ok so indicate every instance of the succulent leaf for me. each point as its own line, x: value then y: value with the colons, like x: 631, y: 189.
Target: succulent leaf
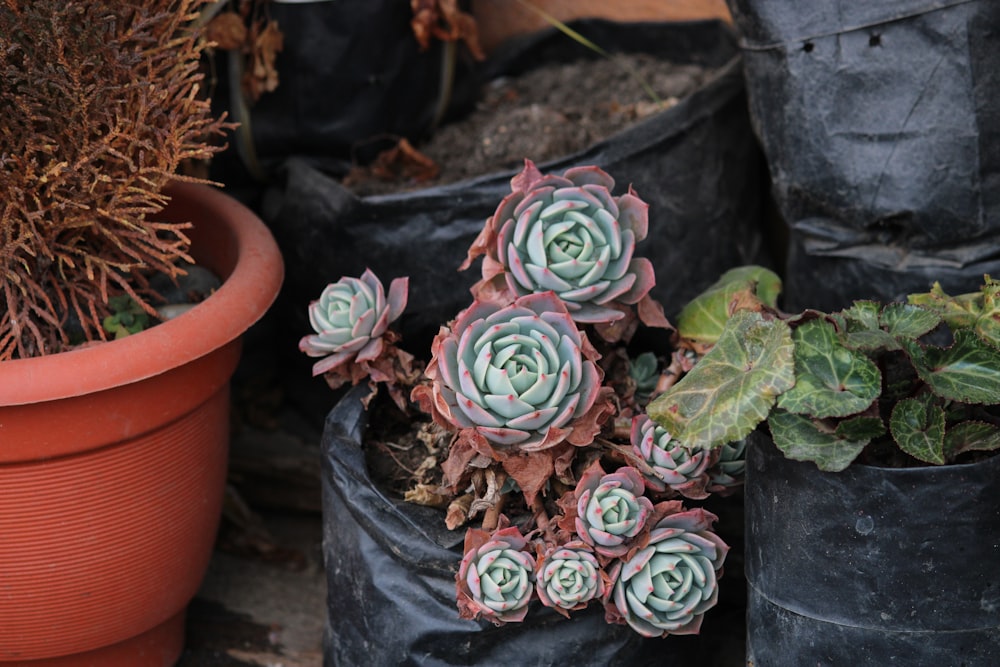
x: 733, y: 387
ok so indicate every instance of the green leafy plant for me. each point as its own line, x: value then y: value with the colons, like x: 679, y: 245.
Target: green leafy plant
x: 901, y: 383
x: 126, y: 318
x: 101, y: 105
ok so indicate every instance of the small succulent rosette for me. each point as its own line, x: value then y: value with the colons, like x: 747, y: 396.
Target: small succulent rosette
x: 667, y: 465
x: 568, y: 576
x: 514, y: 380
x: 568, y: 234
x: 496, y: 578
x: 351, y: 322
x: 665, y: 587
x: 611, y: 509
x: 729, y: 472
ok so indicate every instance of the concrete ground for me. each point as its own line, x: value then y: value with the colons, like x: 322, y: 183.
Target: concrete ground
x: 262, y: 604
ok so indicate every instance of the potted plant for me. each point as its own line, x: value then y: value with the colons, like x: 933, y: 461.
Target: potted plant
x: 871, y: 520
x: 112, y: 452
x: 536, y: 450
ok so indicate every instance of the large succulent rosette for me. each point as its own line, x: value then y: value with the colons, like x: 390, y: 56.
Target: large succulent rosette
x: 567, y: 234
x: 611, y: 510
x: 519, y: 376
x: 495, y: 579
x: 351, y: 319
x: 671, y: 465
x: 667, y: 586
x: 568, y: 576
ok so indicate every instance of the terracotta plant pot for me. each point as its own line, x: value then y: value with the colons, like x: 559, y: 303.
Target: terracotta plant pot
x: 113, y: 464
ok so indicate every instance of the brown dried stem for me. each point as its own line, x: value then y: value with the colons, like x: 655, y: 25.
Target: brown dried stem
x: 101, y: 104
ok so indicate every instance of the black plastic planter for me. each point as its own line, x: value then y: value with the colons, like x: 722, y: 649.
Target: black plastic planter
x: 880, y: 122
x: 697, y: 164
x: 871, y: 566
x: 391, y: 571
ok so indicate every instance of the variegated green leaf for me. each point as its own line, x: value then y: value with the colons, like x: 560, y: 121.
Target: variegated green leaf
x: 863, y: 316
x: 968, y: 371
x: 917, y: 425
x: 704, y: 317
x: 904, y: 320
x: 803, y: 439
x: 970, y: 436
x: 830, y: 380
x: 958, y: 312
x: 733, y: 387
x: 860, y: 428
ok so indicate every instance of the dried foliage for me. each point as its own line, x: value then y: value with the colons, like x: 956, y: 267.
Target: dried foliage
x: 444, y: 20
x: 245, y: 28
x: 101, y: 103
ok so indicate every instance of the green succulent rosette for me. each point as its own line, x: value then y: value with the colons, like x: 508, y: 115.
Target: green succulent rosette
x: 496, y: 578
x: 672, y: 466
x: 351, y: 319
x: 666, y: 587
x: 611, y: 509
x: 567, y: 234
x: 568, y: 577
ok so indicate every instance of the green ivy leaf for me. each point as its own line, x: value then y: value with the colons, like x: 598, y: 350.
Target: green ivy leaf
x: 830, y: 380
x: 970, y: 436
x: 905, y: 321
x: 860, y: 428
x: 733, y: 387
x: 704, y: 317
x: 967, y: 372
x: 804, y: 439
x: 863, y: 316
x: 958, y: 312
x: 917, y: 425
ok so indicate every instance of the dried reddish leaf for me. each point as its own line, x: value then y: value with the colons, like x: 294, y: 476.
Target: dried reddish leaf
x: 403, y: 162
x: 266, y: 41
x: 530, y: 471
x: 227, y: 31
x: 444, y: 20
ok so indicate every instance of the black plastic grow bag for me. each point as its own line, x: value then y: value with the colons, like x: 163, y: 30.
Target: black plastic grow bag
x: 880, y: 122
x: 871, y: 566
x: 697, y: 164
x: 391, y: 569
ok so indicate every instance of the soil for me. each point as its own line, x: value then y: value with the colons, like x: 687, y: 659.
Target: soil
x: 552, y: 111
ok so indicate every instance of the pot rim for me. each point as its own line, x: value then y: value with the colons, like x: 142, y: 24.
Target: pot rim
x: 249, y: 287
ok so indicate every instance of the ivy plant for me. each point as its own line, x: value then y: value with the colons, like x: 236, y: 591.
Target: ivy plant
x: 923, y: 375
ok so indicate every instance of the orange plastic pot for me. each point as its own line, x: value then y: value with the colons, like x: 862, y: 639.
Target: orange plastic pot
x: 113, y: 464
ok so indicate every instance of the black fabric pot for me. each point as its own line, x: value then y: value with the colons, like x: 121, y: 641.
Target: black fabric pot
x: 697, y: 164
x: 871, y: 566
x: 880, y: 122
x: 391, y: 571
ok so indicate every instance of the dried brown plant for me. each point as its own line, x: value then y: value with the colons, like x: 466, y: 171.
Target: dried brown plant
x: 100, y: 103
